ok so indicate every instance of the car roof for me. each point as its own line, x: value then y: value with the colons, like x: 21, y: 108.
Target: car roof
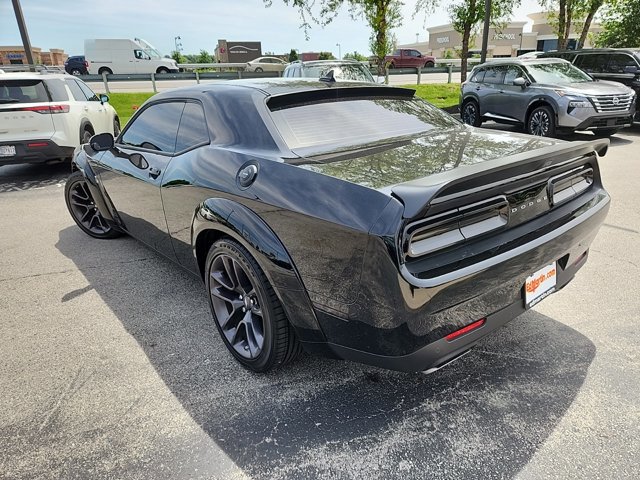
x: 595, y: 50
x: 33, y: 75
x: 521, y: 61
x: 268, y: 86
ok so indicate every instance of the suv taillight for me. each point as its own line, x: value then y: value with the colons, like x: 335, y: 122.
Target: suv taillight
x: 47, y: 109
x: 86, y: 64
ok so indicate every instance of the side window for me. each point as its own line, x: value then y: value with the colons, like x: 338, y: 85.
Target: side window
x: 90, y: 94
x: 618, y: 62
x: 396, y: 53
x: 478, y: 77
x: 494, y: 75
x: 592, y: 62
x: 193, y: 128
x: 511, y: 74
x: 76, y: 91
x: 156, y: 127
x: 57, y: 90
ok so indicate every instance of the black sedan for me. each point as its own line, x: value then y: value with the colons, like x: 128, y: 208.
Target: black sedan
x: 349, y: 220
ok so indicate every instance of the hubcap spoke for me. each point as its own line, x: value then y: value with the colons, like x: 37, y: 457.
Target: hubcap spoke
x: 85, y: 211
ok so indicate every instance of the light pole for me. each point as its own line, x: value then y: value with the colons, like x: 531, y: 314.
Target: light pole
x: 339, y: 51
x: 26, y: 43
x: 178, y: 44
x: 417, y: 37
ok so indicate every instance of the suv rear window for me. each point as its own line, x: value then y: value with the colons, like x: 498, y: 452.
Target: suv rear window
x: 23, y: 91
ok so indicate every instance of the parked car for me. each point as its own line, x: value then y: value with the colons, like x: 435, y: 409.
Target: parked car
x: 266, y: 64
x: 533, y: 54
x: 123, y: 55
x: 615, y: 64
x: 343, y: 70
x: 76, y: 65
x: 409, y: 58
x: 545, y: 96
x: 45, y: 116
x: 346, y: 219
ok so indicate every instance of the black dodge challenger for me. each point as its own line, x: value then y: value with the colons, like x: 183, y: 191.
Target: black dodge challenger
x: 349, y: 220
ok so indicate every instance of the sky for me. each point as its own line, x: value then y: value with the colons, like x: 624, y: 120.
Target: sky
x: 200, y: 23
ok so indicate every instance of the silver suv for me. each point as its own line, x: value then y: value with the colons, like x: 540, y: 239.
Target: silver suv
x: 343, y: 70
x: 545, y: 96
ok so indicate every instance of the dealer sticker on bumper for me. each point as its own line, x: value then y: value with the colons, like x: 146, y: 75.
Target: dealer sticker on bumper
x: 539, y: 285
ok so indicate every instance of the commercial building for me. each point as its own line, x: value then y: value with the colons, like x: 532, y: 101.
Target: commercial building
x: 237, y: 52
x: 509, y: 41
x: 11, y: 55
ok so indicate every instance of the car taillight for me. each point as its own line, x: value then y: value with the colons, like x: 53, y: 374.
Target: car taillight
x: 86, y: 64
x: 47, y: 109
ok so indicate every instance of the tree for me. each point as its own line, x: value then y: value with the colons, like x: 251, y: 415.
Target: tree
x: 204, y: 57
x: 293, y: 55
x: 326, y: 56
x: 466, y: 16
x: 178, y: 57
x: 358, y: 57
x: 565, y: 14
x: 621, y: 27
x: 381, y: 16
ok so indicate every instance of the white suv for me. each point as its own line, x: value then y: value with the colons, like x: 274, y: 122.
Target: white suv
x: 45, y: 116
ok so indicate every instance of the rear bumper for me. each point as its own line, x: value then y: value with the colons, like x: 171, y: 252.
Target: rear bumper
x: 35, y: 151
x: 413, y: 338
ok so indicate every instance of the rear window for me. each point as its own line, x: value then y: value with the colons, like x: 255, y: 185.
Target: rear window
x: 22, y: 91
x: 356, y: 121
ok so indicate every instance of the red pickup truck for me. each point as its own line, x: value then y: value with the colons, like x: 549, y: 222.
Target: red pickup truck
x: 409, y: 58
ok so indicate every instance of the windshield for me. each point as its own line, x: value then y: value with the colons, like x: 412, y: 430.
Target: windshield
x: 148, y: 48
x: 557, y: 73
x: 350, y: 72
x: 327, y: 125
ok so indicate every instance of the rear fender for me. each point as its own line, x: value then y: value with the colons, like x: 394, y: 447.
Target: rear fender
x: 224, y: 217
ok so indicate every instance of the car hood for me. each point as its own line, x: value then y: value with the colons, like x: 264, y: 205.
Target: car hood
x: 601, y: 87
x: 383, y: 165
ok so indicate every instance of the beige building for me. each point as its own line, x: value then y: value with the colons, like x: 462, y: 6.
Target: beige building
x: 510, y: 41
x: 16, y: 56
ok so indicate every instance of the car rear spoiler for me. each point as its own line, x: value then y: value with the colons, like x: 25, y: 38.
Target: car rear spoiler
x: 416, y: 195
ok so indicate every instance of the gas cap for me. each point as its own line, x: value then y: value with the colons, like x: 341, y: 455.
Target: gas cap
x: 247, y: 175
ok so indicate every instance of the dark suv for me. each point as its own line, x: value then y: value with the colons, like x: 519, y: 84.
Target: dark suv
x: 615, y: 64
x: 76, y: 65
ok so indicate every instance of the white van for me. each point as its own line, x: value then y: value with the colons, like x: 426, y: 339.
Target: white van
x: 125, y: 56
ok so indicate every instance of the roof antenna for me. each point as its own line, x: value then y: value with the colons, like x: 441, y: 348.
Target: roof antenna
x: 329, y: 78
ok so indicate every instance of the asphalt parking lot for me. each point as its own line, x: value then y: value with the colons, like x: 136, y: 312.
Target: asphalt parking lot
x: 111, y: 367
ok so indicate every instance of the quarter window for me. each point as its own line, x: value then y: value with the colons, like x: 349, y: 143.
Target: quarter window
x: 76, y: 91
x: 156, y: 127
x: 193, y: 128
x: 478, y: 77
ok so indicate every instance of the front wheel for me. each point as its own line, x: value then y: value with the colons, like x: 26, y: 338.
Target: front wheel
x: 162, y: 70
x: 542, y: 122
x: 83, y: 210
x: 247, y: 312
x: 471, y: 113
x: 76, y: 72
x: 429, y: 65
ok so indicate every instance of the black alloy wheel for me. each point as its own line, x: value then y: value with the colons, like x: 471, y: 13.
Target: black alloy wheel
x: 246, y: 309
x: 542, y: 122
x: 83, y: 210
x: 471, y: 113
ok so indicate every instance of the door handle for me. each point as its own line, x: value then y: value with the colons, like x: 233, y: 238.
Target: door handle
x: 86, y: 109
x: 154, y: 172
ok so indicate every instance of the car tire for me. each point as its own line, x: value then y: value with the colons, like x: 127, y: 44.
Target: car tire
x: 86, y: 134
x: 258, y: 70
x: 116, y: 127
x: 162, y: 70
x: 392, y: 66
x: 429, y: 65
x: 605, y: 132
x: 470, y: 113
x: 83, y: 210
x: 105, y: 70
x: 75, y: 72
x: 541, y: 122
x: 246, y: 310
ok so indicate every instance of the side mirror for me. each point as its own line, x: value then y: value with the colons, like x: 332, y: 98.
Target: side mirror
x: 104, y: 98
x: 102, y: 142
x: 631, y: 69
x: 521, y: 82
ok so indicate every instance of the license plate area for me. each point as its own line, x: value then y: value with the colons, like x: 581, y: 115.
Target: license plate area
x: 7, y: 150
x: 540, y: 284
